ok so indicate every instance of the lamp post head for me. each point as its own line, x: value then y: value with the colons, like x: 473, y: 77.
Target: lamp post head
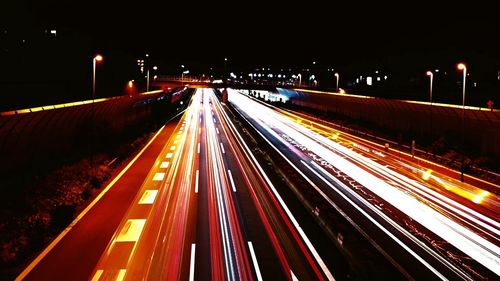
x: 336, y: 74
x: 98, y: 58
x: 461, y: 66
x: 429, y: 73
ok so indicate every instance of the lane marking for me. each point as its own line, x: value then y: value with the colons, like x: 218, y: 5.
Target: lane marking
x: 191, y: 263
x: 172, y: 147
x: 121, y: 275
x: 54, y: 242
x: 196, y: 181
x: 199, y: 131
x: 217, y: 129
x: 97, y: 275
x: 131, y: 230
x: 148, y: 197
x: 164, y: 164
x: 231, y: 180
x: 222, y: 148
x: 254, y: 260
x: 198, y: 148
x: 159, y: 177
x: 294, y: 278
x: 169, y: 155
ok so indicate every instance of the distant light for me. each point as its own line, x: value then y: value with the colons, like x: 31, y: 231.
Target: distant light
x: 369, y: 80
x: 147, y: 55
x: 314, y: 62
x: 385, y: 77
x: 378, y: 78
x: 155, y: 67
x: 186, y: 72
x: 461, y: 66
x: 53, y: 32
x: 130, y: 84
x: 437, y: 70
x: 225, y: 59
x: 98, y: 58
x: 155, y: 77
x: 182, y: 65
x: 357, y: 80
x: 376, y: 71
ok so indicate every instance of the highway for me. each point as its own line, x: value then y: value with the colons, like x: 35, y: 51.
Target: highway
x: 208, y: 211
x: 430, y: 225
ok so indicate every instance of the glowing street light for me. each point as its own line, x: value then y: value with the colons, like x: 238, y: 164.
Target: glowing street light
x: 97, y: 58
x: 463, y: 67
x: 431, y: 75
x: 300, y: 78
x: 337, y: 87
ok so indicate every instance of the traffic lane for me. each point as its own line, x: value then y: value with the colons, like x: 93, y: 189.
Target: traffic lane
x: 366, y: 222
x: 162, y: 241
x: 248, y: 215
x: 477, y: 182
x: 291, y: 234
x: 77, y: 253
x: 474, y: 198
x: 229, y: 251
x: 440, y: 245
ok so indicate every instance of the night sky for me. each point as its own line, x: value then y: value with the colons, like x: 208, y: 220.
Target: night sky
x: 252, y: 33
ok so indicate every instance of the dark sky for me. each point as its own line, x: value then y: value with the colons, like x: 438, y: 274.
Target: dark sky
x: 254, y: 33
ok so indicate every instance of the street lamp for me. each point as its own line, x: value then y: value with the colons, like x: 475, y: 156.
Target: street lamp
x: 225, y: 69
x: 300, y: 79
x: 147, y: 78
x: 337, y: 75
x: 431, y: 75
x: 97, y: 58
x: 182, y: 76
x: 463, y: 67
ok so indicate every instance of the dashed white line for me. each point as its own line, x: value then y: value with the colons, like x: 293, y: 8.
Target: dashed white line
x: 159, y: 176
x: 222, y: 148
x: 231, y: 180
x: 196, y: 181
x: 217, y: 129
x: 191, y: 264
x: 198, y: 147
x: 254, y: 260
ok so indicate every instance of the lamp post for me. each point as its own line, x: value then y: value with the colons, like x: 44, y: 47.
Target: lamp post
x: 463, y: 67
x: 97, y: 58
x: 225, y: 70
x: 337, y: 87
x: 182, y: 76
x: 300, y: 78
x: 431, y: 76
x: 147, y: 78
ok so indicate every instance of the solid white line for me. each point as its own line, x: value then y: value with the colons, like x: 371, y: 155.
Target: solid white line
x: 231, y: 180
x: 222, y: 147
x: 35, y: 262
x: 198, y: 147
x: 191, y: 266
x: 254, y: 260
x: 196, y: 181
